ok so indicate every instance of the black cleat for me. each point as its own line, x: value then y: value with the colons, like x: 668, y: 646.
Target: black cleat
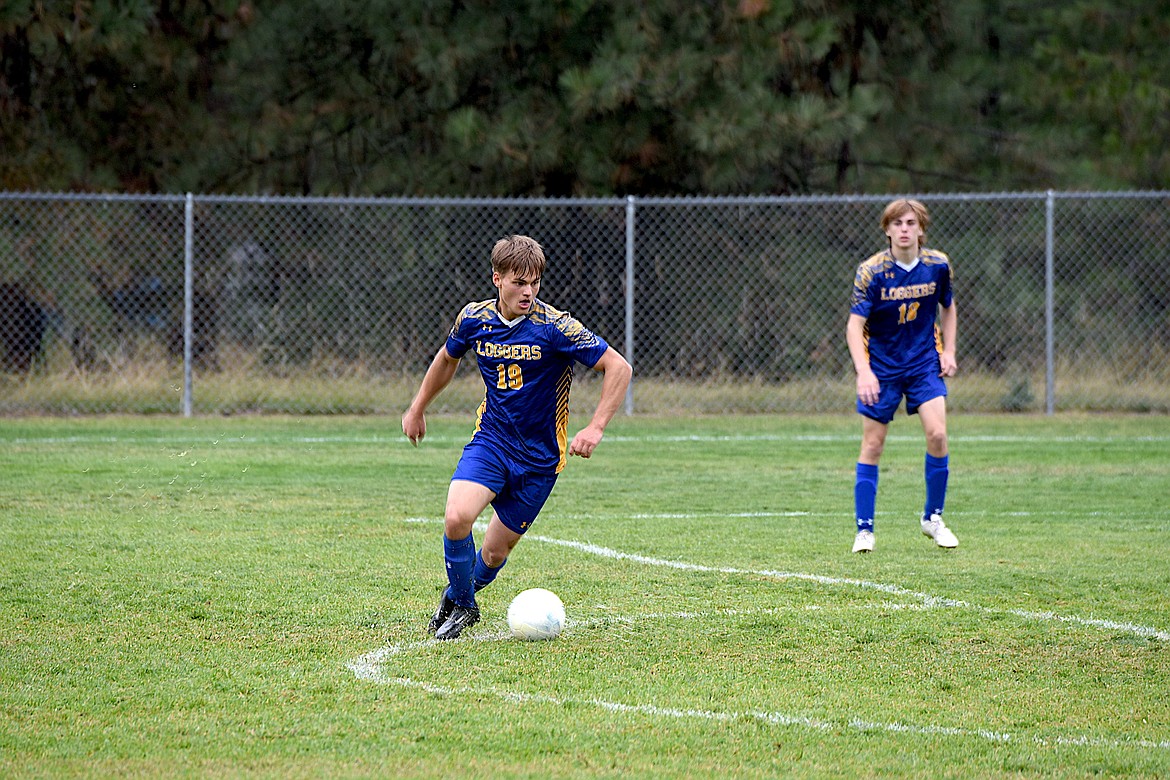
x: 442, y: 612
x: 460, y: 618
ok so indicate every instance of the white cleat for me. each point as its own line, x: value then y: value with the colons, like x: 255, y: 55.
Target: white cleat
x: 863, y: 542
x: 936, y: 529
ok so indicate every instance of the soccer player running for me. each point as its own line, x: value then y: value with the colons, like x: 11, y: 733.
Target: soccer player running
x: 901, y: 336
x: 526, y: 350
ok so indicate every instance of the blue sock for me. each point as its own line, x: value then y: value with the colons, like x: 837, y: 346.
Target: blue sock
x: 937, y: 471
x: 483, y: 575
x: 460, y: 558
x: 865, y: 495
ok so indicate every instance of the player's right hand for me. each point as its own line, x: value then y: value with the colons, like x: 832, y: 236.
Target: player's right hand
x: 414, y: 426
x: 868, y: 389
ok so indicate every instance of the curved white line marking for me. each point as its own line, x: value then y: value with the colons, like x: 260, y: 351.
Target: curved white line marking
x: 370, y: 666
x: 896, y: 590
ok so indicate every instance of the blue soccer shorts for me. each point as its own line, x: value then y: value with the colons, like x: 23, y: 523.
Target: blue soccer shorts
x: 917, y: 389
x: 520, y: 493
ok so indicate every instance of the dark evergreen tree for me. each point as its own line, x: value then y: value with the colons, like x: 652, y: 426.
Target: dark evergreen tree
x: 582, y: 97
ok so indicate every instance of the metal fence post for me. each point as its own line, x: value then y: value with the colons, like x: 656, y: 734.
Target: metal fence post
x: 630, y: 297
x: 1049, y: 304
x: 188, y: 299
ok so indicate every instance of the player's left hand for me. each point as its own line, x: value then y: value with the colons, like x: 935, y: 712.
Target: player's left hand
x: 585, y: 442
x: 947, y: 364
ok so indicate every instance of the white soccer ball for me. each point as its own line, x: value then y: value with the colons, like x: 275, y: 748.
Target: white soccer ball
x: 536, y: 614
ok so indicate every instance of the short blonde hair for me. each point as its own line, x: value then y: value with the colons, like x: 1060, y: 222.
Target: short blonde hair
x: 520, y: 255
x: 897, y: 208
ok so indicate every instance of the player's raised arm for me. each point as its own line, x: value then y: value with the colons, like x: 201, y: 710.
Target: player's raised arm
x: 438, y: 376
x: 617, y: 373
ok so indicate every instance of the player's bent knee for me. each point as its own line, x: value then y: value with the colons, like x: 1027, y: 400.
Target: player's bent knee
x: 492, y: 558
x: 456, y: 527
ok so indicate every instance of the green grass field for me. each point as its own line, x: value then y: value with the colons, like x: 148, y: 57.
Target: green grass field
x: 248, y: 596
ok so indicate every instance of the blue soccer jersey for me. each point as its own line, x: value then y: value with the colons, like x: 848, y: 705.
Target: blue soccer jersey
x: 527, y: 368
x: 901, y: 310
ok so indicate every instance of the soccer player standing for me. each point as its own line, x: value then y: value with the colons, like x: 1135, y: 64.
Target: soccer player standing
x: 526, y: 351
x: 901, y: 336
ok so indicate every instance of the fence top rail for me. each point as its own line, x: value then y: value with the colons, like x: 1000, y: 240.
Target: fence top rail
x: 91, y: 197
x: 614, y: 201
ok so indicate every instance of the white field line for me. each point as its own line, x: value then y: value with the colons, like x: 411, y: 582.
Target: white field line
x: 185, y: 439
x: 926, y: 599
x: 776, y: 718
x: 372, y: 667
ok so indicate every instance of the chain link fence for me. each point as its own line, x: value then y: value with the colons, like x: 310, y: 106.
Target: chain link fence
x: 225, y: 305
